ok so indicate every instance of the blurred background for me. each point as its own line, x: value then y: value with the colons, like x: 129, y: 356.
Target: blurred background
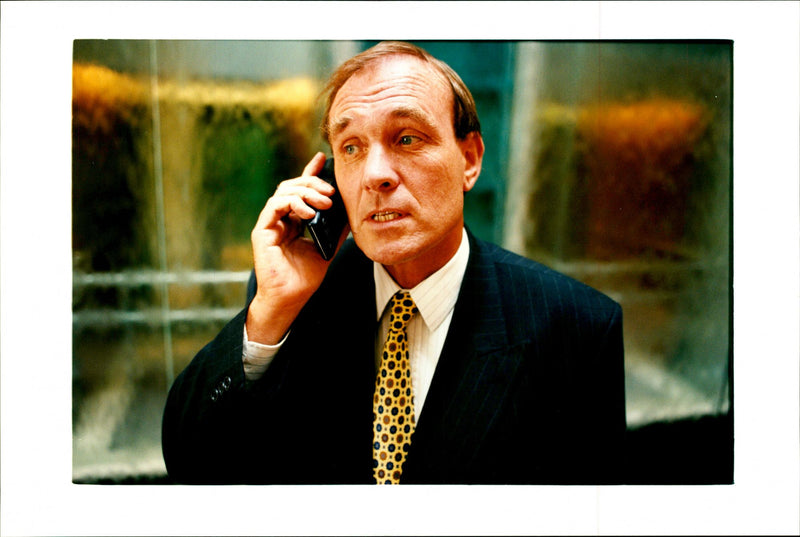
x: 609, y: 161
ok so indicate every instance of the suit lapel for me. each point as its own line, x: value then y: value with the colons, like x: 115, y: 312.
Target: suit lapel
x: 345, y: 377
x: 355, y: 329
x: 472, y: 378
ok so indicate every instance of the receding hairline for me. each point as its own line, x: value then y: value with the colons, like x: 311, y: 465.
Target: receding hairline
x: 465, y: 119
x: 332, y: 128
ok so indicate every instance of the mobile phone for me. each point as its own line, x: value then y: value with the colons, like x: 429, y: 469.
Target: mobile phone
x: 326, y: 226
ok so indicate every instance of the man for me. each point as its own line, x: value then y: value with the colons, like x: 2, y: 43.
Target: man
x: 490, y: 369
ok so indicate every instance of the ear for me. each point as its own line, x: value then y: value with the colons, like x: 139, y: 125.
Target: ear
x: 472, y: 150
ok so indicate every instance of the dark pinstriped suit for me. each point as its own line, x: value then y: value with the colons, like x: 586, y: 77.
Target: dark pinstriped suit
x: 529, y: 388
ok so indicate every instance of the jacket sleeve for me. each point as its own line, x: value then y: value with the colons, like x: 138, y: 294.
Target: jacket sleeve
x: 610, y: 424
x: 206, y: 411
x: 586, y: 394
x: 217, y: 426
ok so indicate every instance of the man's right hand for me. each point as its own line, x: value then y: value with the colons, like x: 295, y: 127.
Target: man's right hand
x: 289, y: 269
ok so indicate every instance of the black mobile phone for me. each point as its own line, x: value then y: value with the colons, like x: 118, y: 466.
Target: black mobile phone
x: 326, y: 226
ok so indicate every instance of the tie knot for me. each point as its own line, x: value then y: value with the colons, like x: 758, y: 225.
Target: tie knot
x: 401, y: 310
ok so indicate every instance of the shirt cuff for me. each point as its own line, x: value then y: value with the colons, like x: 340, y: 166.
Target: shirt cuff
x: 256, y: 357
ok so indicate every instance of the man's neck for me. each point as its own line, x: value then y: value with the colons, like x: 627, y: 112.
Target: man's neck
x: 411, y: 273
x: 443, y: 283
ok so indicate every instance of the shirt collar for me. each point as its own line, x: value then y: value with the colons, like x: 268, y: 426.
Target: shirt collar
x: 435, y: 296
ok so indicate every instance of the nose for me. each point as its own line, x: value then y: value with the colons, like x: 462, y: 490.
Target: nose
x: 379, y: 171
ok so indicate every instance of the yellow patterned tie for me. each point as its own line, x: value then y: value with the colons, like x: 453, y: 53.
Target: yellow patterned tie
x: 393, y: 405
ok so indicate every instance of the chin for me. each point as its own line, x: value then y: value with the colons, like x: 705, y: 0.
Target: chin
x: 387, y: 255
x: 388, y: 252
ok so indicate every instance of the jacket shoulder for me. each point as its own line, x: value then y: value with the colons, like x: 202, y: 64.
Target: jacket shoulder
x: 530, y: 284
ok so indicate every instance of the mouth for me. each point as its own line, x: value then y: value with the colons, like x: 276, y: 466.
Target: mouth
x: 385, y: 216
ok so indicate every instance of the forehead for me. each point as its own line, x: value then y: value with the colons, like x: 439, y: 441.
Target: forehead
x: 393, y: 81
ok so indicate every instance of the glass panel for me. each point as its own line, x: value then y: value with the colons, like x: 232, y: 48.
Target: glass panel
x: 628, y: 189
x: 176, y: 148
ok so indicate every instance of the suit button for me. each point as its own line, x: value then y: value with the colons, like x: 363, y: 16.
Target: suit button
x: 226, y: 383
x: 215, y: 394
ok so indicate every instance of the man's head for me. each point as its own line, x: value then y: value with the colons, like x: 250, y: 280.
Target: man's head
x: 407, y: 146
x: 465, y: 115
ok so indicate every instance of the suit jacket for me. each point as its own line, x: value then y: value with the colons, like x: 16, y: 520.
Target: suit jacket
x: 529, y: 388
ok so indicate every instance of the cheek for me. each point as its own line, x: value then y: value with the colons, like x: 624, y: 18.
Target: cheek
x: 445, y: 182
x: 351, y: 207
x: 443, y: 165
x: 441, y: 201
x: 348, y: 189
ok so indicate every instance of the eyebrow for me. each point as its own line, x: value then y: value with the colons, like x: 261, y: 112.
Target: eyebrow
x: 414, y: 114
x: 408, y: 112
x: 339, y: 126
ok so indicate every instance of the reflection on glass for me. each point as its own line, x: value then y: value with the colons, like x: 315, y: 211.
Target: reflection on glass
x: 628, y: 190
x: 169, y: 175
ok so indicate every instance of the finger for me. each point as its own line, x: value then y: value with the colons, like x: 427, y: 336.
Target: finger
x: 301, y: 204
x: 305, y: 187
x: 314, y: 165
x: 281, y: 207
x: 308, y: 195
x: 301, y: 196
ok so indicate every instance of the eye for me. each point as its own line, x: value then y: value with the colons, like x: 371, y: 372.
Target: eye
x: 407, y: 139
x: 350, y: 149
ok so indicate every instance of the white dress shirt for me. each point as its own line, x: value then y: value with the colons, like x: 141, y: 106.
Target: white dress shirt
x: 435, y: 298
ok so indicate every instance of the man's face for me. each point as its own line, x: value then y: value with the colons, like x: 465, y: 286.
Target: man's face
x: 400, y: 169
